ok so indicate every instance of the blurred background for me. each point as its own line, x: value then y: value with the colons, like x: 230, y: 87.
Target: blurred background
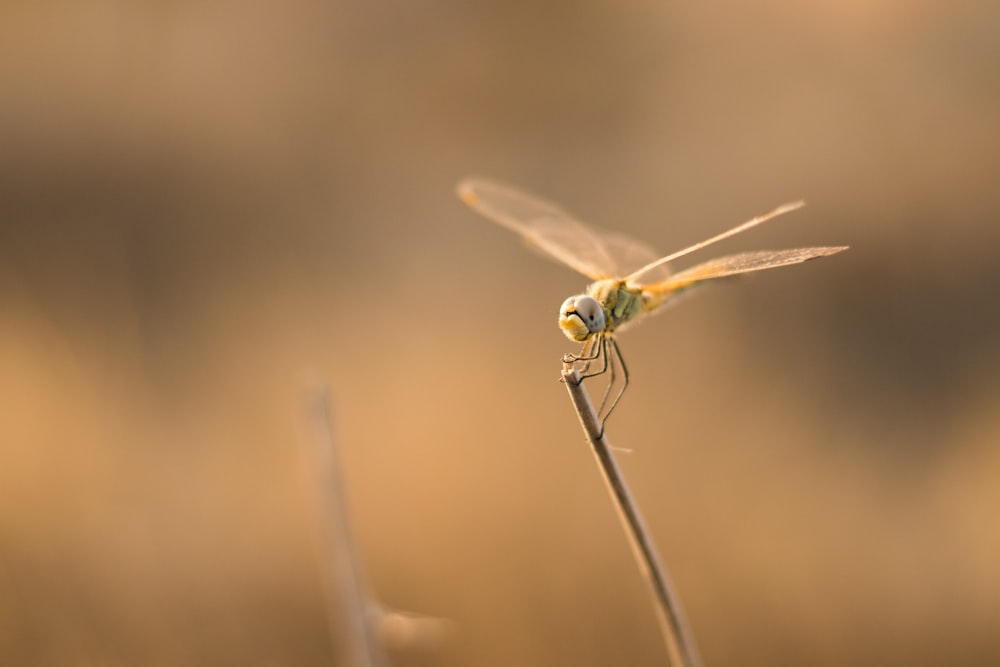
x: 205, y: 206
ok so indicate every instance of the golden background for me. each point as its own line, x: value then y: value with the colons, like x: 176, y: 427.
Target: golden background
x: 206, y: 206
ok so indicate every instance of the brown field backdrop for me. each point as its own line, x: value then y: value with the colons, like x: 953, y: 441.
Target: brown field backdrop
x: 206, y: 205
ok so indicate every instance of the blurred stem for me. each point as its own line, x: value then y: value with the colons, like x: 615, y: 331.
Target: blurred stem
x: 680, y: 644
x: 347, y: 595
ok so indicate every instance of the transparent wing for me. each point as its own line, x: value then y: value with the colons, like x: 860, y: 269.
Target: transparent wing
x: 745, y: 262
x: 555, y: 232
x: 630, y: 254
x: 647, y: 272
x: 679, y: 285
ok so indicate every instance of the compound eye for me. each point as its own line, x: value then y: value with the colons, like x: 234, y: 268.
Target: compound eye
x: 590, y: 311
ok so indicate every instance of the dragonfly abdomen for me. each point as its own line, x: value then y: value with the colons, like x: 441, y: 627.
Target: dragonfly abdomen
x: 657, y: 294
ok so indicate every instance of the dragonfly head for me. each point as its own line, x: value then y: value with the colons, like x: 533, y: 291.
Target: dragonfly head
x: 581, y: 316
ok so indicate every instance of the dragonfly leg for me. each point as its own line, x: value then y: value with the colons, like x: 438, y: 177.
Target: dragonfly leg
x: 591, y: 350
x: 612, y: 376
x: 613, y: 344
x: 599, y: 351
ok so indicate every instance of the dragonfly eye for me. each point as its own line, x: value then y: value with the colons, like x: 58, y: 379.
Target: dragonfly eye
x: 581, y: 316
x: 590, y: 312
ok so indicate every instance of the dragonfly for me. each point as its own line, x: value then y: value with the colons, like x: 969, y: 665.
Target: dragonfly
x: 630, y: 279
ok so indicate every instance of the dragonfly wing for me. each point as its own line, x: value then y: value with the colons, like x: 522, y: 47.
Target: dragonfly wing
x: 745, y: 262
x: 647, y: 271
x: 630, y: 255
x: 679, y: 285
x: 552, y: 230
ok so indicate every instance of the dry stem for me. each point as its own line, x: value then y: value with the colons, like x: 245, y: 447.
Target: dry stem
x: 347, y: 595
x: 680, y: 644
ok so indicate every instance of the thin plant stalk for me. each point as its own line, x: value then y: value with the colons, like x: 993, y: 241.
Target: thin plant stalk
x: 673, y: 626
x: 347, y: 594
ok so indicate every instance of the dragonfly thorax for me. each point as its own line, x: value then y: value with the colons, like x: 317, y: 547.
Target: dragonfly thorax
x: 607, y: 304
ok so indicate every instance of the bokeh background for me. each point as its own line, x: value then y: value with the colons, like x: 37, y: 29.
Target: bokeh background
x: 207, y: 206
